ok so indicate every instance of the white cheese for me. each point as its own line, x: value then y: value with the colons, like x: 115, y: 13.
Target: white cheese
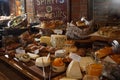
x: 73, y: 70
x: 42, y: 62
x: 85, y: 61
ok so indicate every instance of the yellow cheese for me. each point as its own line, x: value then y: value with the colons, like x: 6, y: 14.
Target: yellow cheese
x: 45, y: 39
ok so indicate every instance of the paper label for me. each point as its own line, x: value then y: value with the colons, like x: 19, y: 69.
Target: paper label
x: 19, y: 50
x: 58, y: 31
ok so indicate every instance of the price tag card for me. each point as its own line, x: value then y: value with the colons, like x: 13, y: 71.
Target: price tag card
x: 20, y: 50
x: 36, y: 51
x: 58, y: 31
x: 75, y: 57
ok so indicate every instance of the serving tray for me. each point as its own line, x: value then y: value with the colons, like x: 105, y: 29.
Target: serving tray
x: 30, y: 69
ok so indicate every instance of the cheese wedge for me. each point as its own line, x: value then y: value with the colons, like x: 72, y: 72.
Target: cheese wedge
x: 85, y: 61
x: 73, y: 70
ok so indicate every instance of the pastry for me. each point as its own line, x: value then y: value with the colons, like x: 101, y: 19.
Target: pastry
x: 103, y: 52
x: 58, y: 65
x: 109, y: 31
x: 80, y: 23
x: 69, y: 42
x: 13, y: 46
x: 81, y: 52
x: 116, y: 58
x: 70, y: 46
x: 94, y: 69
x: 90, y: 77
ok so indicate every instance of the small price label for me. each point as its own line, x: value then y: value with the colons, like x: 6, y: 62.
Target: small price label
x: 58, y: 31
x: 19, y: 50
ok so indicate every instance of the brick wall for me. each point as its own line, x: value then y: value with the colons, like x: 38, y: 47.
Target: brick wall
x: 78, y: 9
x: 30, y: 9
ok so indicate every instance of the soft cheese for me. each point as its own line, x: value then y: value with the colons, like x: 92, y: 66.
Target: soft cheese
x: 85, y: 61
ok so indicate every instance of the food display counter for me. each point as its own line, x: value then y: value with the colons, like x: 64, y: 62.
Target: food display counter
x: 49, y: 56
x: 33, y: 72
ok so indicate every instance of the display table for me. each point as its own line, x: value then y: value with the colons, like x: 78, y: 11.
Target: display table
x: 35, y: 73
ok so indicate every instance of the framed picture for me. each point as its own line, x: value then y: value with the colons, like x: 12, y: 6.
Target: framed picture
x: 52, y: 9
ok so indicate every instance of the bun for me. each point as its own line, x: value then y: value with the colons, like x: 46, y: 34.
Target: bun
x: 69, y: 42
x: 116, y: 58
x: 103, y: 52
x: 109, y: 31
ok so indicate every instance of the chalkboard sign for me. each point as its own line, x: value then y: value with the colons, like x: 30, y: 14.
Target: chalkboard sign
x: 52, y: 9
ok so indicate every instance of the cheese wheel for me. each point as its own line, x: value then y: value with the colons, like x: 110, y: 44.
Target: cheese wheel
x: 42, y: 62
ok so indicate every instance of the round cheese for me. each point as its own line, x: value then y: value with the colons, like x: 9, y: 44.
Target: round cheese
x: 42, y: 62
